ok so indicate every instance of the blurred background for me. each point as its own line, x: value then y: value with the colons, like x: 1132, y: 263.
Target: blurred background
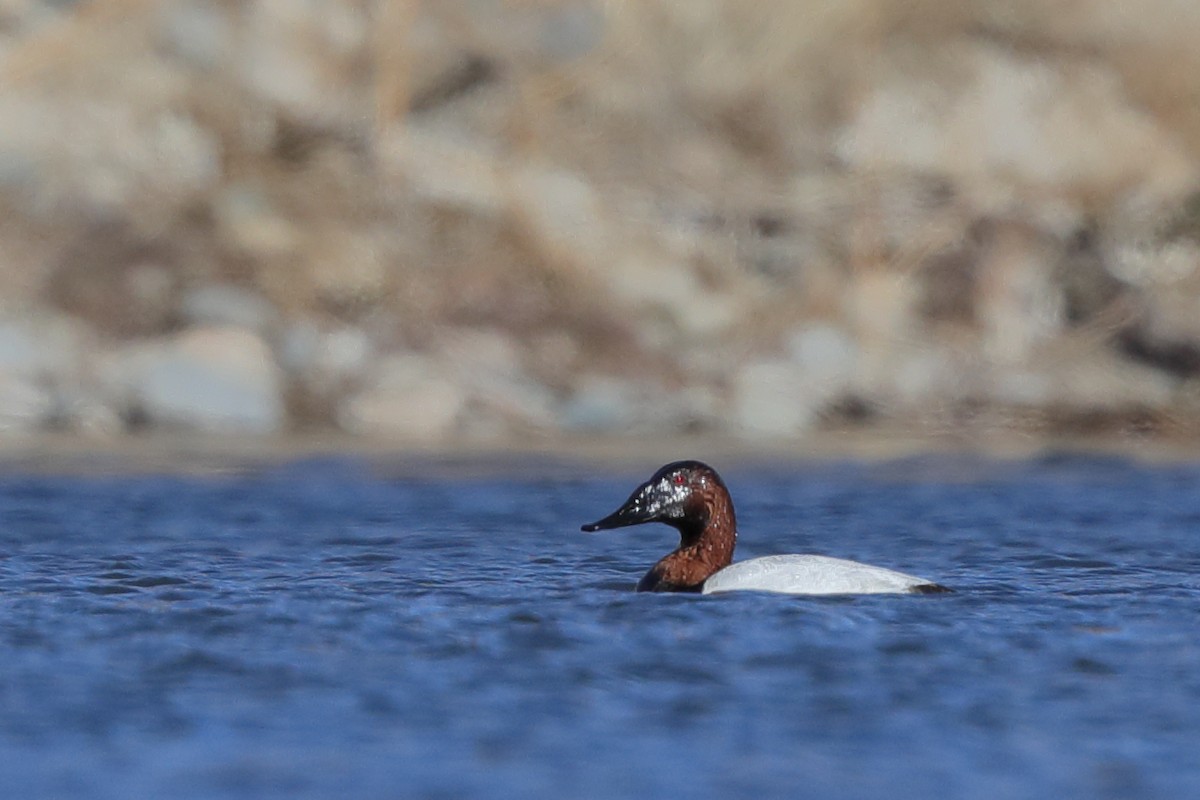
x: 505, y: 222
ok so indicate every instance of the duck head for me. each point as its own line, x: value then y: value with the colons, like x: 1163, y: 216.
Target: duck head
x: 690, y: 497
x: 681, y: 494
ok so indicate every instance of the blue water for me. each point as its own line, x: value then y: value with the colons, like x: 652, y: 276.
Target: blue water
x: 331, y: 629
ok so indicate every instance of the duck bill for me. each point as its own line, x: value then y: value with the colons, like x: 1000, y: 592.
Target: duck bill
x: 617, y: 519
x: 635, y: 511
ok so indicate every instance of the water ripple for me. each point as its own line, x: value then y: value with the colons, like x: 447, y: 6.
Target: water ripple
x: 320, y: 631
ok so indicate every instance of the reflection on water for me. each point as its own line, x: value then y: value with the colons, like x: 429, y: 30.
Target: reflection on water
x: 318, y: 630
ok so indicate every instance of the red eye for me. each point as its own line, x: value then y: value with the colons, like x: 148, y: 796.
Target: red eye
x: 679, y: 480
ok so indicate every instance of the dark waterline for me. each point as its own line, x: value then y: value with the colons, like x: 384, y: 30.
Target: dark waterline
x: 324, y: 630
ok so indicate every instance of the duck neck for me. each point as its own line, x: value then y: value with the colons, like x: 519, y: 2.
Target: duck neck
x: 707, y: 536
x: 711, y: 535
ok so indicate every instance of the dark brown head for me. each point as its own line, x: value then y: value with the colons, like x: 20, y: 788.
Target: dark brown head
x: 675, y: 495
x: 690, y: 497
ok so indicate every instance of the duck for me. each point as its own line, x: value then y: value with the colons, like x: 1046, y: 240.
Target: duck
x: 692, y: 498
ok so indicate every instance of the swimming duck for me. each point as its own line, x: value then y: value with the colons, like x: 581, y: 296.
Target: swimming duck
x: 691, y: 497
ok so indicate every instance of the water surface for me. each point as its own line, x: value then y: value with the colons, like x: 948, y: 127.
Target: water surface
x: 325, y: 629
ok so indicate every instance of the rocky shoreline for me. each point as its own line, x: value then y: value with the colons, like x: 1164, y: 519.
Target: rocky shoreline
x: 226, y: 379
x: 445, y: 224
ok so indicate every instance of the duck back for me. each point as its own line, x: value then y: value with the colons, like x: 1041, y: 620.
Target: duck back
x: 809, y: 574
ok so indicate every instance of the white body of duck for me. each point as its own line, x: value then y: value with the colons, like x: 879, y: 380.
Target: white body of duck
x: 806, y: 574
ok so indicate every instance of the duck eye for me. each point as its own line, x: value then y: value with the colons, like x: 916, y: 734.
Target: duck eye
x: 678, y: 480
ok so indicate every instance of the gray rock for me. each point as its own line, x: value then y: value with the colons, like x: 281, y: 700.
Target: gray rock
x: 248, y: 219
x: 25, y: 407
x: 570, y: 31
x: 21, y: 351
x: 603, y: 404
x: 771, y: 398
x: 43, y: 365
x: 322, y: 365
x: 515, y: 402
x: 563, y: 210
x: 443, y: 172
x: 409, y: 397
x: 234, y: 306
x: 298, y: 345
x: 222, y: 380
x: 599, y: 405
x: 927, y: 374
x: 317, y: 354
x: 669, y: 287
x: 503, y: 396
x: 827, y: 357
x: 785, y: 396
x: 199, y: 32
x: 44, y: 347
x: 84, y: 410
x: 696, y: 407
